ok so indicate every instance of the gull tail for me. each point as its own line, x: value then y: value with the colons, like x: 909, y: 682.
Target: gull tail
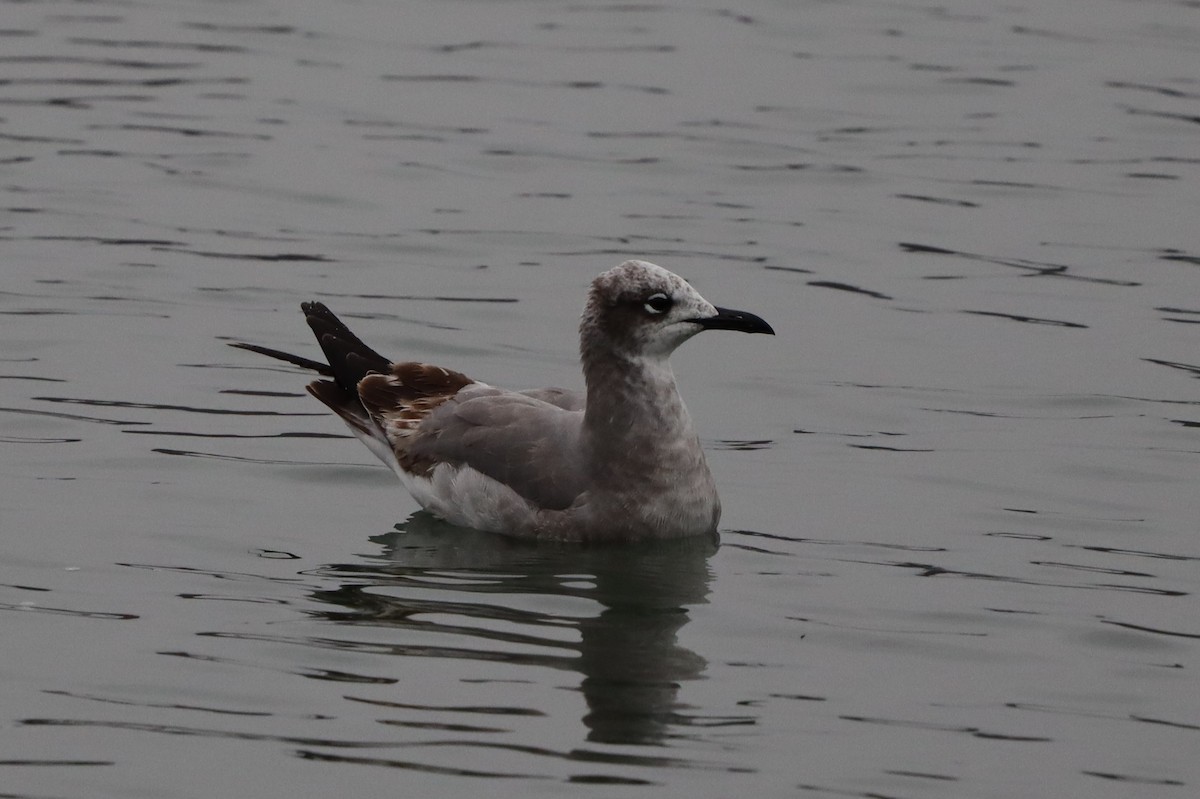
x: 349, y: 358
x: 349, y: 361
x: 373, y: 396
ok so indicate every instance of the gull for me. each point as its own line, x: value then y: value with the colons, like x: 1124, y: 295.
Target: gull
x: 617, y: 462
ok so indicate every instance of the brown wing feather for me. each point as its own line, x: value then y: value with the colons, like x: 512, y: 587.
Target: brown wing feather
x: 399, y: 401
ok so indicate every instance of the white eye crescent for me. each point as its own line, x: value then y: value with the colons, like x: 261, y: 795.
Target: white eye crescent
x: 657, y: 304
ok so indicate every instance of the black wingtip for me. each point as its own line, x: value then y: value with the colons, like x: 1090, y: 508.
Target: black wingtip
x: 279, y: 355
x: 350, y: 360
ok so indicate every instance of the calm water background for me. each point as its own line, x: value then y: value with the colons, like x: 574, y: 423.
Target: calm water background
x: 960, y: 553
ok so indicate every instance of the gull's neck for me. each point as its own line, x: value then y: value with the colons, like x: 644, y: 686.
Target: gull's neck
x: 643, y: 459
x: 634, y: 414
x: 640, y: 450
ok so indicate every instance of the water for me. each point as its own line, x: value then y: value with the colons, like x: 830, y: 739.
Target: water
x: 959, y: 554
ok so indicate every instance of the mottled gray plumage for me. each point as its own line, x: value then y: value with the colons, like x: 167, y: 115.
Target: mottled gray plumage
x: 526, y: 443
x: 618, y: 462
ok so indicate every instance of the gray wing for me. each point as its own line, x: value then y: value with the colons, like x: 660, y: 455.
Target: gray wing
x: 529, y: 444
x: 567, y: 400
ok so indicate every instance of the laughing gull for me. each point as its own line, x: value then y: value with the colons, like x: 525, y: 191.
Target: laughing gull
x: 617, y: 462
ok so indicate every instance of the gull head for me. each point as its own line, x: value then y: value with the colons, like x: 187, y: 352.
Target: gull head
x: 639, y: 309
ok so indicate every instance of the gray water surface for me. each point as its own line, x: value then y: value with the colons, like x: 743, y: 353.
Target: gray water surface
x: 959, y: 554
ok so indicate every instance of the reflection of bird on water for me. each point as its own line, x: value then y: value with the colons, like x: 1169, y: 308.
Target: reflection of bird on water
x: 627, y: 653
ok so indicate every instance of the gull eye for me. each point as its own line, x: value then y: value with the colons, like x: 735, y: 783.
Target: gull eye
x: 657, y: 304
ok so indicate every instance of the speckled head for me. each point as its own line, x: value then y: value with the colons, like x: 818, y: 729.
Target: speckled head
x: 640, y: 310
